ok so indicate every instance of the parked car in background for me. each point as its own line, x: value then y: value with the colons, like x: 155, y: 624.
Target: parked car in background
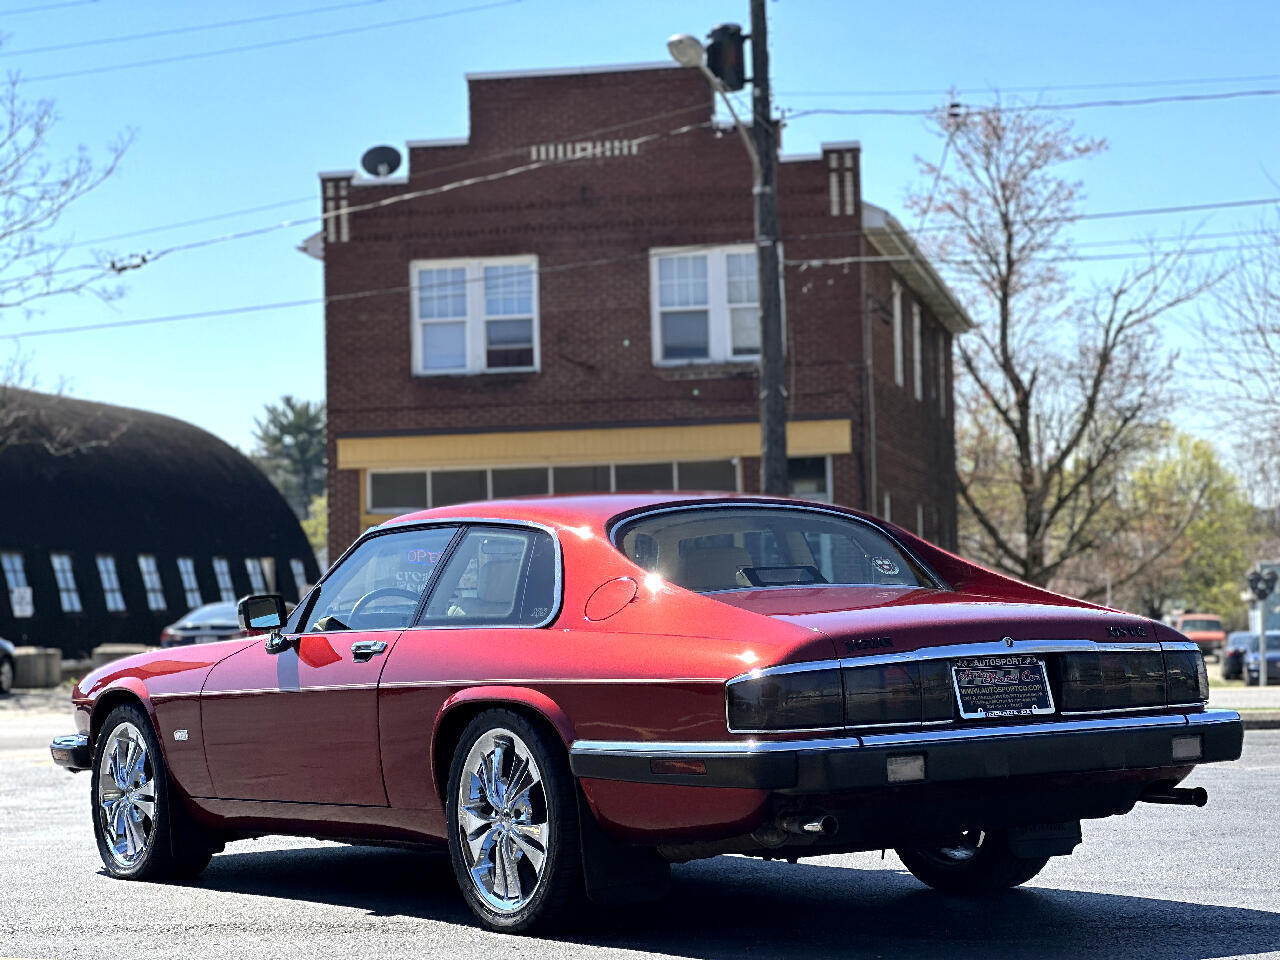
x: 207, y: 624
x: 1253, y: 661
x: 8, y: 666
x: 1205, y: 629
x: 572, y: 693
x: 1238, y: 644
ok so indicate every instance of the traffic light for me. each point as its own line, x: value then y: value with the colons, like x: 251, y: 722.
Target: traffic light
x: 725, y: 57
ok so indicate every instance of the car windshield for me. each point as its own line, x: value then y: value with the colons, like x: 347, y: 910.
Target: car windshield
x: 1201, y: 624
x: 706, y: 549
x: 212, y: 613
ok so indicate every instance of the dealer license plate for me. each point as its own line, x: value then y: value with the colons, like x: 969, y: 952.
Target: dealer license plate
x: 1008, y: 686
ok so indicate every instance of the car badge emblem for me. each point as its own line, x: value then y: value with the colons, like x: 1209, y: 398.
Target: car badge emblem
x: 885, y: 566
x: 1008, y: 641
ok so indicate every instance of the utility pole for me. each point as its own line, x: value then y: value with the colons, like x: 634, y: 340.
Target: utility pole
x: 774, y: 477
x: 722, y: 63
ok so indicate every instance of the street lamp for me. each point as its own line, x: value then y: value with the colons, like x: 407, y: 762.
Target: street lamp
x: 762, y: 148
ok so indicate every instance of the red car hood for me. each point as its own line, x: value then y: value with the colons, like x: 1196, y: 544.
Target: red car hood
x: 907, y: 618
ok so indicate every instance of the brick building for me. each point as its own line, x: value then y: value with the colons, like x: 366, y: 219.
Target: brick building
x: 564, y: 300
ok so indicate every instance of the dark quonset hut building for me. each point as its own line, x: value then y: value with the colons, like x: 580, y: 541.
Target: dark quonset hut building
x: 115, y: 522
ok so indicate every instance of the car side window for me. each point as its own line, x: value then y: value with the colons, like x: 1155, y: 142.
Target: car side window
x: 380, y: 584
x: 496, y: 576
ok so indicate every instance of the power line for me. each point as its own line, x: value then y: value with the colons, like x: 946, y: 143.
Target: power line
x: 1026, y: 107
x: 310, y: 198
x: 175, y: 31
x: 47, y: 6
x: 1039, y: 88
x: 266, y: 44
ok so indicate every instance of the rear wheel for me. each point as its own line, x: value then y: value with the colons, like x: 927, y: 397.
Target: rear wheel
x: 6, y: 675
x: 976, y: 861
x: 142, y: 830
x: 513, y: 828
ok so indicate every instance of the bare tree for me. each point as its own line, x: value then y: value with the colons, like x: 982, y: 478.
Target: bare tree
x: 1059, y: 391
x: 36, y: 262
x: 1240, y: 329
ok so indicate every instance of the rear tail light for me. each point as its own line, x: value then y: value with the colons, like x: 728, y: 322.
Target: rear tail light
x: 796, y: 700
x: 911, y: 691
x: 1119, y: 680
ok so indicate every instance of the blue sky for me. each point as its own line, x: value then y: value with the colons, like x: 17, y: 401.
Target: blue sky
x: 227, y: 132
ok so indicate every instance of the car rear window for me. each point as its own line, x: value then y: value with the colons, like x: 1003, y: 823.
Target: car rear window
x: 706, y: 549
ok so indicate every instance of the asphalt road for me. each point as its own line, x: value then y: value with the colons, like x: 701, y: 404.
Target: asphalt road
x: 1168, y: 883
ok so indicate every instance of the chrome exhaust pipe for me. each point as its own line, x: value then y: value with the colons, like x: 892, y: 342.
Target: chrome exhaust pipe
x: 824, y: 825
x: 1185, y: 796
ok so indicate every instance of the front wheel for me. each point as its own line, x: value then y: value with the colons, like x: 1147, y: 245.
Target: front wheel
x: 143, y: 832
x: 976, y: 861
x: 513, y: 824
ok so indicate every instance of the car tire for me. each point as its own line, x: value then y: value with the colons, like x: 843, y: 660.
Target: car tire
x: 513, y: 824
x: 980, y: 862
x: 6, y: 675
x: 142, y: 829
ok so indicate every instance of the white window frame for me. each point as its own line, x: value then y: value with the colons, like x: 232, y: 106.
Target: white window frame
x: 476, y: 349
x: 65, y: 575
x: 190, y: 582
x: 917, y: 350
x: 719, y: 312
x: 112, y: 595
x: 15, y: 571
x: 257, y: 578
x: 150, y: 571
x: 943, y: 358
x: 899, y: 368
x: 226, y: 586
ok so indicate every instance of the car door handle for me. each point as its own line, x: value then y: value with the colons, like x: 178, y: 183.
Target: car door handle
x: 363, y: 650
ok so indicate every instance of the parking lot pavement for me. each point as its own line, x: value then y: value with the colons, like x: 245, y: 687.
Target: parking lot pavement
x: 1167, y: 883
x: 1245, y: 698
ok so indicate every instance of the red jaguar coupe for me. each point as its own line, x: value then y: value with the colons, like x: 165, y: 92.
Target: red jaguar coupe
x: 574, y: 692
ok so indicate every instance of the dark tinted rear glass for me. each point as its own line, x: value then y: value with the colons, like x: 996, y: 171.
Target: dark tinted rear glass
x: 735, y: 548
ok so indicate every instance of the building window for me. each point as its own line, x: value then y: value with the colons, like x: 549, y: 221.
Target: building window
x: 257, y: 582
x: 943, y: 357
x: 68, y: 595
x: 408, y: 490
x: 15, y: 574
x: 810, y: 477
x: 475, y: 316
x: 899, y: 372
x: 706, y: 306
x: 917, y: 352
x: 222, y: 573
x: 299, y: 576
x: 190, y: 585
x: 151, y: 580
x: 110, y: 583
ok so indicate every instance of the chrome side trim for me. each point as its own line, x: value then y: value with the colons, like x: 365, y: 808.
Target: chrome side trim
x: 1172, y: 706
x: 1179, y: 645
x: 735, y: 748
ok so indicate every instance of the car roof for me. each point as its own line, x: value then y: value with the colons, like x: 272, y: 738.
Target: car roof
x: 590, y: 509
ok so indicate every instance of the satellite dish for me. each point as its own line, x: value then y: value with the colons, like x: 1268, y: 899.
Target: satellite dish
x: 381, y: 161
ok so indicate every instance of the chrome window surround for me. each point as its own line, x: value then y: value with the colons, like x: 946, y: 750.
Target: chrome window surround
x: 952, y: 651
x: 622, y: 520
x: 391, y: 527
x: 738, y: 748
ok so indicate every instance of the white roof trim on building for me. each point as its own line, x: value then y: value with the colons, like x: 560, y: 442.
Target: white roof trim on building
x: 890, y: 239
x: 800, y: 158
x: 576, y: 71
x: 380, y: 181
x: 336, y: 174
x: 442, y: 142
x: 843, y: 145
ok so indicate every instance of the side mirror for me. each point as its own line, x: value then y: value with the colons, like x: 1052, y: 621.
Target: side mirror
x: 264, y: 612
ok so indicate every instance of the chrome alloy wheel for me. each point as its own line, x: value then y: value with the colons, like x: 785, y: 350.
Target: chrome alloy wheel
x: 503, y: 822
x: 126, y: 795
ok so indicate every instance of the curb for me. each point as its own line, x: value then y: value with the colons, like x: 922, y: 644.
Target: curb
x: 1260, y: 719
